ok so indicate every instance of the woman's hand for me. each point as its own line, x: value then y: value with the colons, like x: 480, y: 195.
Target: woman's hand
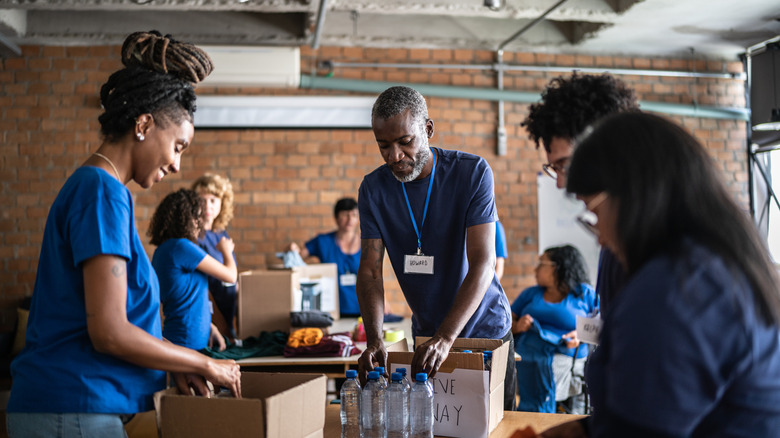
x: 226, y: 245
x: 216, y: 340
x: 522, y: 324
x: 225, y: 373
x: 572, y: 341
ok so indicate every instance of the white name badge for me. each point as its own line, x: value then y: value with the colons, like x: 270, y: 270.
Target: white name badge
x: 418, y: 264
x: 347, y: 279
x: 588, y: 329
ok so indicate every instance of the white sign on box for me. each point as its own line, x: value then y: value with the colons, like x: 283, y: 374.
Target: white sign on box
x: 460, y: 402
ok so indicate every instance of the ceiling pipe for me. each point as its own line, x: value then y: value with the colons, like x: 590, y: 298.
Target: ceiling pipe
x: 509, y: 67
x: 499, y: 67
x: 531, y: 24
x: 320, y: 21
x: 492, y: 94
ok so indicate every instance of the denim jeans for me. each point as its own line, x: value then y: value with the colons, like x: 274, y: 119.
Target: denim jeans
x: 34, y: 425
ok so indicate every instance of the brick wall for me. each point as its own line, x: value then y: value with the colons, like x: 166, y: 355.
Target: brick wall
x: 286, y: 181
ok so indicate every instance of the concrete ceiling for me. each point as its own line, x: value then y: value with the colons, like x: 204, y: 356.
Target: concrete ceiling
x: 712, y: 29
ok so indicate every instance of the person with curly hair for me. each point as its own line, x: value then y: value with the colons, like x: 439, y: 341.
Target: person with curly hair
x: 217, y: 192
x: 545, y: 322
x: 183, y: 268
x: 94, y: 352
x: 568, y: 106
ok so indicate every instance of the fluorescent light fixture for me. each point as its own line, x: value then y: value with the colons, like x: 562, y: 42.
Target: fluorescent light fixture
x: 772, y: 125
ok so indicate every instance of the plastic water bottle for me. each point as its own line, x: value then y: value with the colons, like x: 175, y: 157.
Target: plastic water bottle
x: 350, y: 406
x: 488, y: 356
x: 382, y: 378
x: 421, y: 408
x: 397, y: 408
x: 373, y: 403
x: 407, y: 383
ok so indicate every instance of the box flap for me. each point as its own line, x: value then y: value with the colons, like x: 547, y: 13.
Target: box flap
x: 278, y: 405
x: 294, y: 403
x: 400, y: 346
x: 182, y: 416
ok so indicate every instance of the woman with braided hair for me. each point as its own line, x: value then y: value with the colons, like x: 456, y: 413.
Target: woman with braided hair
x: 94, y: 352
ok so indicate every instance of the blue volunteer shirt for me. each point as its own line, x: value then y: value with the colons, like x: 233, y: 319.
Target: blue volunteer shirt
x: 325, y: 248
x: 184, y: 293
x: 560, y: 318
x: 461, y: 197
x: 59, y: 370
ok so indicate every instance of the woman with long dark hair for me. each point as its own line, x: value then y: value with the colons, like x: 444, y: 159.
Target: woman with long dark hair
x: 691, y: 346
x: 545, y: 322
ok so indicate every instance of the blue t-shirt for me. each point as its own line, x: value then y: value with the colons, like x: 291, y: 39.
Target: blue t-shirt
x: 461, y: 197
x: 219, y: 290
x: 557, y: 319
x: 325, y: 248
x: 184, y: 293
x: 59, y: 369
x: 683, y: 352
x: 501, y: 250
x: 611, y: 279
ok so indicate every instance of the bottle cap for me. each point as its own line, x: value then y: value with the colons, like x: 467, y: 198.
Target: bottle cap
x: 421, y: 377
x: 401, y: 370
x: 488, y: 354
x: 380, y: 370
x: 373, y: 375
x: 351, y: 374
x: 396, y: 377
x: 466, y: 351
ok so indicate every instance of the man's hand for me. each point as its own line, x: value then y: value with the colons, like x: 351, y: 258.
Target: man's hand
x: 373, y: 356
x: 429, y: 356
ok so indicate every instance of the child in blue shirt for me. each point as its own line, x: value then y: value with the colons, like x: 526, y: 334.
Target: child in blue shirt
x: 183, y: 269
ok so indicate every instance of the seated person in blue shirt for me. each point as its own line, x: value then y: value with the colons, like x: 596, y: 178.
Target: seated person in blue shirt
x: 182, y: 267
x: 545, y: 330
x: 691, y: 345
x: 341, y: 247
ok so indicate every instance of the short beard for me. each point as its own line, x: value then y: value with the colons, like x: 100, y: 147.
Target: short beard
x: 420, y: 160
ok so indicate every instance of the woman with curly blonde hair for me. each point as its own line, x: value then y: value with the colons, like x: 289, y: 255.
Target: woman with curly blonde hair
x: 217, y: 192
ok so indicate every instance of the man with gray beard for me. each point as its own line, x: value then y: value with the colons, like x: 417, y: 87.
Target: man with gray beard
x: 433, y: 210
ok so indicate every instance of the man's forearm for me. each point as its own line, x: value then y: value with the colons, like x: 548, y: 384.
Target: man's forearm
x: 467, y: 300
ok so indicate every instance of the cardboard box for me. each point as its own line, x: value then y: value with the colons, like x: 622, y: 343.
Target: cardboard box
x: 468, y: 401
x: 266, y: 297
x: 274, y: 405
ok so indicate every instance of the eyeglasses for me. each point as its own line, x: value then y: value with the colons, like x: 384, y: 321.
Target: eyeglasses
x: 558, y: 168
x: 588, y: 218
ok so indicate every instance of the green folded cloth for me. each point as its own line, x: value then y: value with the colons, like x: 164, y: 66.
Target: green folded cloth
x: 267, y: 344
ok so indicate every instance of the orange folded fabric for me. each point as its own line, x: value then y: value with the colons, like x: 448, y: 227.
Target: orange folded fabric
x: 304, y: 337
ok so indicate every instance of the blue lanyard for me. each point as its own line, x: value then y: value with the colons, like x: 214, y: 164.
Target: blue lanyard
x: 425, y: 210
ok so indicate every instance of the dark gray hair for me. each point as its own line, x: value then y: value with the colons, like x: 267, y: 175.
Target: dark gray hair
x: 396, y: 100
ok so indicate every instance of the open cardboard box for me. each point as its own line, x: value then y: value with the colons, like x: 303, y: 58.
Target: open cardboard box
x: 266, y: 297
x: 274, y: 405
x: 468, y: 401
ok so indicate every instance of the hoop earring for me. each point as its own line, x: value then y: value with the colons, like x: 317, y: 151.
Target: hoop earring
x: 140, y: 136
